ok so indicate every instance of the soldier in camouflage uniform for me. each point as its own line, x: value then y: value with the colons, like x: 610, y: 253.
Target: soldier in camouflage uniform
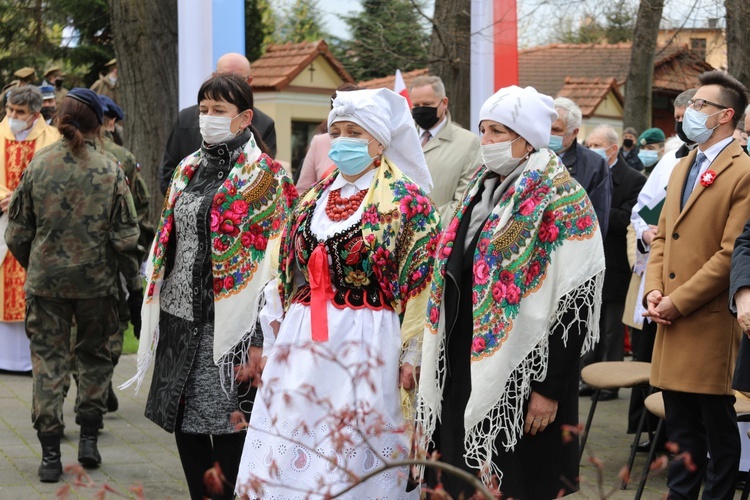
x: 129, y: 305
x: 72, y: 226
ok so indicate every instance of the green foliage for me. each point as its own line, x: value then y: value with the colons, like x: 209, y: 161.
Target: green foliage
x: 129, y: 342
x: 260, y: 25
x: 617, y: 26
x: 31, y: 34
x: 302, y: 23
x: 620, y: 18
x: 387, y: 35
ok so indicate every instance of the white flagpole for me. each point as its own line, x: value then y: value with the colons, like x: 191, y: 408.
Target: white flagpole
x: 482, y: 58
x: 195, y: 36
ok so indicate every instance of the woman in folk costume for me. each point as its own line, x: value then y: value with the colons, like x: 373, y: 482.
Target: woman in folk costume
x: 515, y: 298
x: 226, y: 205
x: 347, y: 317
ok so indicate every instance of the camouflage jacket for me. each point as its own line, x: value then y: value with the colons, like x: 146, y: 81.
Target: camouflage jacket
x: 138, y: 189
x: 72, y: 224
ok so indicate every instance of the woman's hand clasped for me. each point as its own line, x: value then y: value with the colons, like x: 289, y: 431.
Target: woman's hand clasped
x: 542, y: 412
x: 408, y: 376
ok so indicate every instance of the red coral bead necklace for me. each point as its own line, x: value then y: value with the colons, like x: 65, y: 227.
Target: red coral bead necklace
x: 338, y: 208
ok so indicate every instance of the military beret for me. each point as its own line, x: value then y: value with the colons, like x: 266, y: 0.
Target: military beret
x: 48, y: 92
x: 53, y: 69
x: 26, y: 72
x: 110, y: 108
x: 651, y: 136
x: 89, y: 98
x: 111, y: 62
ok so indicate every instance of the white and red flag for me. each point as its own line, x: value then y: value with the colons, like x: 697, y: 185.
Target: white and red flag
x: 399, y: 86
x: 494, y: 50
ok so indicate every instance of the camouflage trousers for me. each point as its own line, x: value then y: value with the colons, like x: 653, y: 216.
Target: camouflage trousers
x: 115, y: 344
x: 48, y: 326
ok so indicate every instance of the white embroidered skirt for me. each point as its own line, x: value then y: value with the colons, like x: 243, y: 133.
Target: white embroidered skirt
x: 328, y: 409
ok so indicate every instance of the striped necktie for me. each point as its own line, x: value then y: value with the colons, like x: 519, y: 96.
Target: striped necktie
x: 426, y: 135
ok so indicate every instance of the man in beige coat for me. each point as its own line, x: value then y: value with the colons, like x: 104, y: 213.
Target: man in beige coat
x: 686, y: 291
x: 452, y: 153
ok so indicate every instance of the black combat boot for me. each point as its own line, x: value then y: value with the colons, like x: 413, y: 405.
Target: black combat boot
x: 88, y: 453
x: 51, y: 468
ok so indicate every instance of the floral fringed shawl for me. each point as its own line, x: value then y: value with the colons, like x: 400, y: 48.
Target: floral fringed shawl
x: 248, y: 214
x: 400, y: 229
x: 538, y: 255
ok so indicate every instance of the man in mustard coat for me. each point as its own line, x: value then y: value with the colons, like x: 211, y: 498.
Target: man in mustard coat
x: 686, y: 291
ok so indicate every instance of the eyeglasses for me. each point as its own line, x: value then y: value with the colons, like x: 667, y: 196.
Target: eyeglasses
x: 697, y: 104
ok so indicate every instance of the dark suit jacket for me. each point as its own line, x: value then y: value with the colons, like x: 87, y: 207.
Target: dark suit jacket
x: 739, y: 278
x: 592, y: 173
x: 185, y: 138
x: 626, y: 184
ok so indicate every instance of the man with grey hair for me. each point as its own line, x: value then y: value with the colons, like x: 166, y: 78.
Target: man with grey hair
x: 626, y: 184
x: 452, y: 153
x: 23, y: 132
x: 587, y: 167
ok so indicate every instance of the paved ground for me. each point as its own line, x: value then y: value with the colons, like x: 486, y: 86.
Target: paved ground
x: 137, y: 452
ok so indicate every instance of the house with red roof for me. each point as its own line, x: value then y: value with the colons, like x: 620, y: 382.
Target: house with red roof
x: 293, y: 83
x: 595, y: 77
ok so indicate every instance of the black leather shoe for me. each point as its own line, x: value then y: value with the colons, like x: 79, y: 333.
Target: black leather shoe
x: 606, y: 395
x: 51, y: 468
x: 585, y: 389
x: 643, y: 446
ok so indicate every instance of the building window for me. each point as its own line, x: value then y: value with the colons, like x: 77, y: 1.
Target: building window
x: 698, y: 46
x: 302, y: 132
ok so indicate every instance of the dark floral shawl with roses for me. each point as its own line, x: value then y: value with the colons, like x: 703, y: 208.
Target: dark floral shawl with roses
x: 538, y: 255
x: 248, y: 213
x: 400, y: 230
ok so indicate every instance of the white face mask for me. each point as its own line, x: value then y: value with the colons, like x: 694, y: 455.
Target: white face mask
x: 216, y: 129
x: 498, y: 157
x: 17, y: 125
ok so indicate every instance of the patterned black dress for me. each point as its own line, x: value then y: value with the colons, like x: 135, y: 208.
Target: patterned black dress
x: 184, y: 372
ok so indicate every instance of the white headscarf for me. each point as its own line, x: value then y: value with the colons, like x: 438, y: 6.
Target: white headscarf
x: 385, y: 115
x: 524, y: 110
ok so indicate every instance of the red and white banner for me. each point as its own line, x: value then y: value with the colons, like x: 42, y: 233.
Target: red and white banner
x: 494, y: 50
x: 399, y: 86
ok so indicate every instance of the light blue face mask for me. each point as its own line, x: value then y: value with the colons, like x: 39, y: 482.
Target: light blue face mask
x: 601, y: 152
x: 350, y: 154
x: 694, y: 125
x: 648, y: 158
x: 555, y: 143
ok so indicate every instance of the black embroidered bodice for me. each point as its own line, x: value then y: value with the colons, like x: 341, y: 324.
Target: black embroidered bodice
x: 354, y: 283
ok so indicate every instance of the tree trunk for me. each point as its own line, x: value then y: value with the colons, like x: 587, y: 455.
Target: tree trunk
x: 145, y: 36
x: 738, y: 39
x: 450, y: 55
x: 638, y: 87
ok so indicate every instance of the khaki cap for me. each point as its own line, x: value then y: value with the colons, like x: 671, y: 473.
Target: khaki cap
x: 112, y: 62
x: 24, y: 73
x: 53, y: 69
x: 11, y: 85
